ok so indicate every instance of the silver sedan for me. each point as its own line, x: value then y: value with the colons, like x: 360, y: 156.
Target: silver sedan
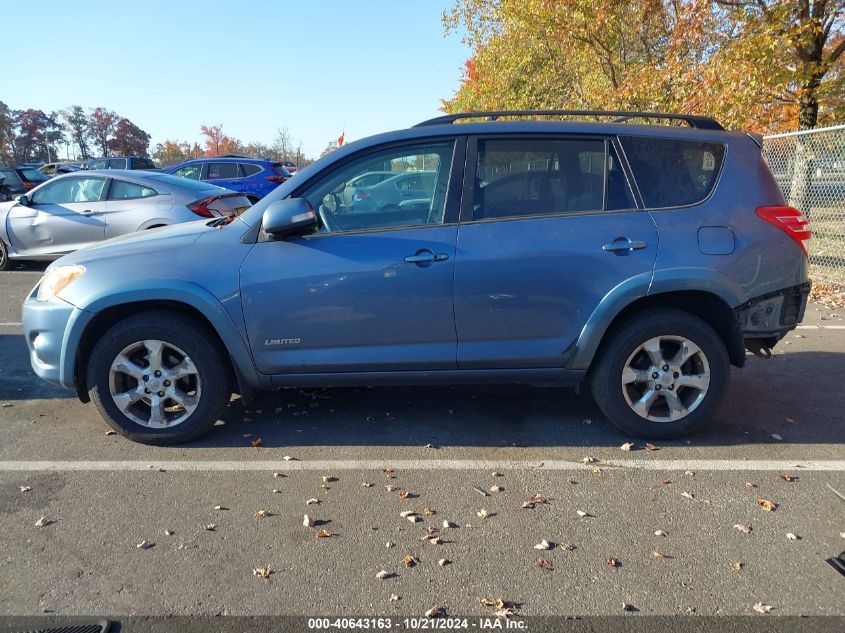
x: 76, y: 210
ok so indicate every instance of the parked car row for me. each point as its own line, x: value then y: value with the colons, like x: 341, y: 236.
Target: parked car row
x: 83, y: 208
x: 255, y: 177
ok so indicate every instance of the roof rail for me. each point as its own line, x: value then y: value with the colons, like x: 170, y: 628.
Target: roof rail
x: 695, y: 121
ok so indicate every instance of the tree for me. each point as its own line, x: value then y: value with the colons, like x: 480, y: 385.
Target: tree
x: 101, y: 124
x: 213, y: 136
x: 35, y: 134
x: 129, y: 140
x: 727, y: 58
x: 76, y: 123
x: 7, y: 133
x: 169, y: 153
x: 808, y: 34
x: 282, y: 144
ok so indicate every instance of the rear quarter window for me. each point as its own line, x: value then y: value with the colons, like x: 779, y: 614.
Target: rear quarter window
x: 672, y: 172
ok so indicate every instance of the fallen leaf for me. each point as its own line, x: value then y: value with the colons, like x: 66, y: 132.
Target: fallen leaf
x: 737, y: 566
x: 414, y: 518
x: 761, y: 608
x: 544, y: 544
x: 688, y: 495
x: 768, y: 506
x: 745, y: 529
x: 210, y: 527
x: 660, y: 533
x: 568, y: 547
x: 539, y: 499
x: 110, y: 432
x: 777, y: 437
x: 406, y: 513
x: 390, y: 488
x: 628, y: 607
x: 447, y: 525
x: 308, y: 521
x: 483, y: 493
x: 436, y: 612
x: 404, y: 494
x: 383, y: 574
x: 428, y: 512
x: 495, y: 474
x: 665, y: 482
x: 288, y: 458
x: 6, y: 405
x: 323, y: 534
x: 789, y: 478
x: 589, y: 460
x: 581, y: 513
x: 188, y: 545
x: 256, y: 442
x: 793, y: 537
x: 596, y: 471
x: 276, y: 491
x: 661, y: 555
x: 496, y: 489
x: 689, y: 473
x: 790, y: 420
x: 749, y: 485
x: 387, y: 471
x: 627, y: 446
x: 220, y: 508
x: 528, y: 505
x: 483, y: 513
x: 25, y: 488
x: 613, y: 562
x: 43, y: 522
x: 145, y: 545
x: 429, y: 446
x: 435, y: 540
x: 443, y: 562
x: 542, y: 563
x: 263, y: 572
x: 393, y: 597
x: 652, y: 447
x: 277, y: 475
x: 329, y: 478
x: 263, y: 514
x: 409, y: 560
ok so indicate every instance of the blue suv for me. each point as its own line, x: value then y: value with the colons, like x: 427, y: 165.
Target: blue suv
x: 256, y: 177
x: 641, y: 260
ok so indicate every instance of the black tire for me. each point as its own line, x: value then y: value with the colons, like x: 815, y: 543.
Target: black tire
x: 625, y: 339
x: 5, y: 262
x: 178, y: 330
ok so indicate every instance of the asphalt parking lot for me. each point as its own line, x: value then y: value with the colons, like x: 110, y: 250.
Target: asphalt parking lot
x: 668, y: 516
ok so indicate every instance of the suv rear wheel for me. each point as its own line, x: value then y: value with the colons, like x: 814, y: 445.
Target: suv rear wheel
x: 159, y: 378
x: 661, y: 374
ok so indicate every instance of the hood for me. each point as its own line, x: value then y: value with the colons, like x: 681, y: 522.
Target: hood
x: 152, y: 243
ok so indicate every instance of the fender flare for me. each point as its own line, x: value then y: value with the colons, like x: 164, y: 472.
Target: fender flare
x: 184, y: 292
x: 648, y: 284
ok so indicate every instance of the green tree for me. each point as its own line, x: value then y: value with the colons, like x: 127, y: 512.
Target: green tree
x: 76, y: 122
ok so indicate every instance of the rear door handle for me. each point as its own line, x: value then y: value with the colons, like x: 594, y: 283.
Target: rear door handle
x: 623, y: 245
x: 89, y: 212
x: 424, y: 257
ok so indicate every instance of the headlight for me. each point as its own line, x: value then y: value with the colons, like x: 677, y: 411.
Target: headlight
x: 56, y: 280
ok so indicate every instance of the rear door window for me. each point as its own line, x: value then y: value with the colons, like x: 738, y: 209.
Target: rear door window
x: 542, y: 176
x: 122, y: 190
x: 117, y: 163
x: 671, y: 172
x: 217, y: 171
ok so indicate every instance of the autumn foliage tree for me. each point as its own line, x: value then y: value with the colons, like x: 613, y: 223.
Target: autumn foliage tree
x: 748, y: 63
x: 100, y: 126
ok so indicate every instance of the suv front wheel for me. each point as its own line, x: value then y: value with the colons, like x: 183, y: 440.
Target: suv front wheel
x: 159, y: 378
x: 661, y: 374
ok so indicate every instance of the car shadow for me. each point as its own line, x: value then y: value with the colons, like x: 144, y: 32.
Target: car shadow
x: 798, y: 396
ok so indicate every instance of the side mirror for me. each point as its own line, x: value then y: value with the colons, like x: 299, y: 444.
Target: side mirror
x: 285, y: 217
x: 24, y: 201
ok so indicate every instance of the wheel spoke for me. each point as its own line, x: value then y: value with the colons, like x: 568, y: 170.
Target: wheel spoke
x: 655, y: 354
x: 687, y: 350
x: 126, y: 399
x: 631, y: 375
x: 123, y: 365
x: 677, y: 409
x: 155, y: 350
x: 185, y: 368
x: 187, y: 401
x: 643, y: 405
x: 157, y: 416
x: 694, y: 381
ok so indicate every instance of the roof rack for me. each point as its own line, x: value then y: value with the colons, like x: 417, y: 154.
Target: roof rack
x: 695, y: 121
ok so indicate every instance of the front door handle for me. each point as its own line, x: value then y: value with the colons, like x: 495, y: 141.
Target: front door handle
x: 424, y: 257
x: 622, y: 245
x: 89, y: 212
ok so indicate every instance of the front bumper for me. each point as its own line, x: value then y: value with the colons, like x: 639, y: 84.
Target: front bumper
x: 48, y: 328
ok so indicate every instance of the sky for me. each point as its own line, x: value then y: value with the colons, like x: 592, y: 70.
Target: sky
x: 318, y: 67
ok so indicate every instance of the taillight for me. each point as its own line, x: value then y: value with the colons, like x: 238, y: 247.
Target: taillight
x: 277, y: 179
x: 200, y: 207
x: 789, y: 220
x: 28, y: 185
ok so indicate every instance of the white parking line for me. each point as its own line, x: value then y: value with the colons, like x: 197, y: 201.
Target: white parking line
x: 700, y: 465
x: 821, y: 327
x: 11, y: 324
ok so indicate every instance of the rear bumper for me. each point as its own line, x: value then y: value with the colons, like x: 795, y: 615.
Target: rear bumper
x: 769, y: 317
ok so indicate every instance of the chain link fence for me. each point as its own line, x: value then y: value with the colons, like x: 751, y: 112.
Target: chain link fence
x: 809, y: 167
